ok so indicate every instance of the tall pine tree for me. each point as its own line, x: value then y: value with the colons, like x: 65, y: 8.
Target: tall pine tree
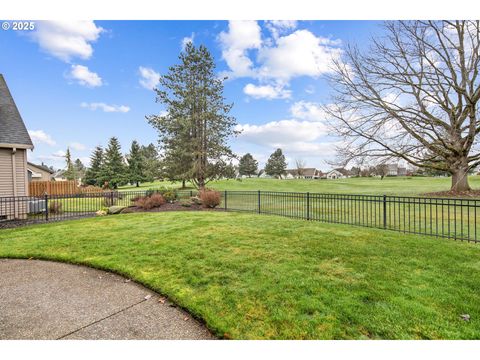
x: 136, y: 165
x: 93, y: 173
x: 248, y: 165
x: 196, y: 126
x: 276, y: 164
x: 151, y: 162
x: 69, y: 169
x: 114, y: 170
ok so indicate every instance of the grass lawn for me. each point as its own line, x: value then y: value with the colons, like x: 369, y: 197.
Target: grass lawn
x: 387, y: 186
x: 263, y: 277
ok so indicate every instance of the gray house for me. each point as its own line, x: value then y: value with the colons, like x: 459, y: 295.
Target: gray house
x: 14, y: 143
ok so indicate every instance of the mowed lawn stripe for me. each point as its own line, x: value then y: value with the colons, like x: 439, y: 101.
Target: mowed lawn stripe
x: 266, y: 277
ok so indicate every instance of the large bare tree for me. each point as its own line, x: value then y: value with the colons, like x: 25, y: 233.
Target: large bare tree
x: 300, y: 167
x: 413, y: 95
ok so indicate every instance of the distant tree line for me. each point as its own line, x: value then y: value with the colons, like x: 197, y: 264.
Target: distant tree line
x: 109, y: 168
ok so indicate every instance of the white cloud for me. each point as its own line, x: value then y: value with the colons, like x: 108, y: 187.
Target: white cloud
x: 39, y: 136
x: 148, y: 77
x: 267, y: 91
x: 241, y: 37
x: 84, y: 76
x: 59, y: 153
x: 298, y: 54
x: 274, y: 61
x: 278, y: 27
x: 188, y: 39
x: 105, y: 107
x: 67, y: 39
x: 77, y: 146
x: 279, y: 133
x: 308, y: 111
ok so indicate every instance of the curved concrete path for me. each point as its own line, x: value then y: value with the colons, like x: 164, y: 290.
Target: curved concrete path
x: 49, y: 300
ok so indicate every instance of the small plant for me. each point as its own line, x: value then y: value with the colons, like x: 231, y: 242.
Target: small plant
x: 55, y: 207
x: 210, y: 198
x: 101, y: 213
x: 170, y: 196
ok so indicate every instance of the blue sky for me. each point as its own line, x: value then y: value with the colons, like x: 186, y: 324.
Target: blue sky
x: 79, y: 83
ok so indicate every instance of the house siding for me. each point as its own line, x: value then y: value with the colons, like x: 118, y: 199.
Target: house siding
x: 46, y: 176
x: 13, y: 183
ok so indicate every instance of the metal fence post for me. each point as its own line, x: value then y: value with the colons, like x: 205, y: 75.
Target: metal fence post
x: 191, y: 193
x: 308, y: 206
x: 225, y: 200
x: 46, y: 207
x: 111, y: 198
x: 384, y: 211
x: 259, y: 201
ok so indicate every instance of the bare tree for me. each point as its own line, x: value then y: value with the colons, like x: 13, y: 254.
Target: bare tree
x: 381, y: 170
x: 413, y: 96
x: 300, y: 167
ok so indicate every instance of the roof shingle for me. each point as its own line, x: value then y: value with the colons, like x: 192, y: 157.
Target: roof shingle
x: 12, y: 127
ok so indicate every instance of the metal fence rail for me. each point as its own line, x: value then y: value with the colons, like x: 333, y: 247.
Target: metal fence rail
x: 440, y: 217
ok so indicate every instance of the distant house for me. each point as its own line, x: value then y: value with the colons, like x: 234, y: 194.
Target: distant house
x: 402, y: 171
x: 14, y: 143
x: 59, y: 175
x: 395, y: 170
x: 39, y: 172
x: 339, y: 173
x: 306, y: 173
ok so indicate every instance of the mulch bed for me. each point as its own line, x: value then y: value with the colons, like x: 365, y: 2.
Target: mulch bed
x: 454, y: 194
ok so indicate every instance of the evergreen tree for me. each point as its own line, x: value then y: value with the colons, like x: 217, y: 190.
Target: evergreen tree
x: 93, y: 173
x: 69, y: 169
x: 136, y: 164
x: 248, y: 165
x: 151, y: 162
x: 196, y: 126
x: 229, y: 171
x: 276, y: 164
x: 114, y: 169
x: 79, y: 169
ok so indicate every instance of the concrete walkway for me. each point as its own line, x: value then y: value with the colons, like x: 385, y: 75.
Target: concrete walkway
x: 48, y: 300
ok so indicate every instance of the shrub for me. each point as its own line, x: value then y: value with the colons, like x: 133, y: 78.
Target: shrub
x: 149, y: 202
x: 186, y: 203
x: 170, y: 196
x: 144, y: 203
x: 157, y: 200
x: 210, y: 198
x: 55, y: 207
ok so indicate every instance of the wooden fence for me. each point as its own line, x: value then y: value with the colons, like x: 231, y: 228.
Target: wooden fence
x: 39, y: 188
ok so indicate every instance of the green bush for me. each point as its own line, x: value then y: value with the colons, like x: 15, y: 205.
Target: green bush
x: 170, y: 196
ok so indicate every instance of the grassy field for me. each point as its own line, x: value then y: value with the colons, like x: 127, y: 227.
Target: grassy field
x: 387, y: 186
x: 263, y: 277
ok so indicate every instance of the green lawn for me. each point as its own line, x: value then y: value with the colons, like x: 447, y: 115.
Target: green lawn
x: 262, y: 277
x: 388, y: 186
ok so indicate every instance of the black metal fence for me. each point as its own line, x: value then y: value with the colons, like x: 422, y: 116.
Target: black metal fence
x: 441, y: 217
